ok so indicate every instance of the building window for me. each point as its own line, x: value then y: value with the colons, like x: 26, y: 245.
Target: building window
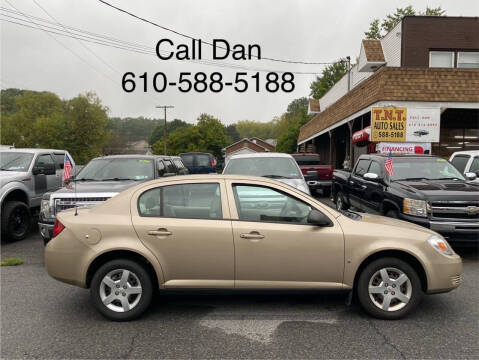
x: 468, y: 59
x: 441, y: 59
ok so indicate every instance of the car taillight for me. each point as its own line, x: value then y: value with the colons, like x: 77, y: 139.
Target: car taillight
x: 213, y: 163
x: 57, y: 228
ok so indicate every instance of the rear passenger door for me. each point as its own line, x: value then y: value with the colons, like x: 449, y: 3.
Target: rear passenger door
x: 188, y: 228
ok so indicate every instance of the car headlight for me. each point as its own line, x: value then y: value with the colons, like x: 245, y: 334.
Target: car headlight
x: 46, y: 209
x: 415, y: 207
x: 440, y: 245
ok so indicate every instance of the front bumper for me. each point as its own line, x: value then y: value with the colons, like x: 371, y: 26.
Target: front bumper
x: 466, y: 231
x: 46, y: 230
x: 319, y: 184
x: 445, y: 276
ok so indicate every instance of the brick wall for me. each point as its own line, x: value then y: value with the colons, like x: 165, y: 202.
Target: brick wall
x: 395, y: 83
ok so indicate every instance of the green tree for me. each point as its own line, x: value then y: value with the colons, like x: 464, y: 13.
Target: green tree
x: 249, y: 128
x: 391, y: 20
x: 232, y: 132
x: 330, y: 75
x: 213, y: 133
x: 171, y: 126
x: 296, y: 116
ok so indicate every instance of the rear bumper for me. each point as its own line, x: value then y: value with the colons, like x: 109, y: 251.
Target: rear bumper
x: 451, y: 230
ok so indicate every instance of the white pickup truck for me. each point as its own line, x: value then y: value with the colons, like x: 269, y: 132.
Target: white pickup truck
x: 466, y: 162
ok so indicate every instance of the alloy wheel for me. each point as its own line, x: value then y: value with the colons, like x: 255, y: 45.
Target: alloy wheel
x: 390, y: 289
x: 120, y: 290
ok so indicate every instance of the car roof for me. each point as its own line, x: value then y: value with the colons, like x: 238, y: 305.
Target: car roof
x: 31, y: 150
x: 133, y: 156
x: 466, y: 152
x: 261, y: 155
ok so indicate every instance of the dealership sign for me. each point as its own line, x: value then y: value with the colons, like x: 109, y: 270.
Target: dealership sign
x: 400, y: 124
x: 403, y: 148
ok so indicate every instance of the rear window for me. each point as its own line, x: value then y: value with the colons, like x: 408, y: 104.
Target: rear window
x: 59, y: 160
x: 460, y: 162
x: 178, y: 163
x: 203, y: 160
x: 307, y: 160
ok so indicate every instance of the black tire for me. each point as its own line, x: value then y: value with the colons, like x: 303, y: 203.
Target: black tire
x: 16, y: 221
x: 340, y: 203
x: 367, y: 303
x: 392, y: 214
x: 145, y: 281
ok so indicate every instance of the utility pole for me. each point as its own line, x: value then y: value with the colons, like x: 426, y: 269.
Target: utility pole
x: 164, y: 107
x: 349, y: 72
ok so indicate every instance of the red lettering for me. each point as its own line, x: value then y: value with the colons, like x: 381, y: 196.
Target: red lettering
x: 376, y: 113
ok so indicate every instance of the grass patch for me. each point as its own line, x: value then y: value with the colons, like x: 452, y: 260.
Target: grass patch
x: 11, y: 262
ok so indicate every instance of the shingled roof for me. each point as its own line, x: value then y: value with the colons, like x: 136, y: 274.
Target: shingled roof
x: 373, y: 50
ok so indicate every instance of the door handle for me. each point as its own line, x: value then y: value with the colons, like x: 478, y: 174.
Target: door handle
x: 351, y: 182
x: 159, y: 232
x: 253, y: 235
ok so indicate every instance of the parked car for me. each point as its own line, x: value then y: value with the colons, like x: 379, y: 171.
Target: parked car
x: 205, y: 231
x: 318, y: 175
x: 199, y: 163
x: 25, y: 175
x: 426, y: 190
x: 279, y: 166
x: 103, y: 178
x: 466, y: 162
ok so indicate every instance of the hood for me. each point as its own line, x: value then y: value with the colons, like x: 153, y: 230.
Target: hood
x: 439, y: 189
x: 9, y: 176
x: 299, y: 184
x: 97, y: 187
x: 387, y: 221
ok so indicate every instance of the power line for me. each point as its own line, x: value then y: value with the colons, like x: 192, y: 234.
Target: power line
x: 80, y: 42
x: 206, y: 42
x: 119, y: 44
x: 63, y: 45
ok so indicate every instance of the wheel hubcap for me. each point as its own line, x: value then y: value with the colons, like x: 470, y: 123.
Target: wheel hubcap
x: 339, y: 203
x: 390, y: 289
x: 120, y: 290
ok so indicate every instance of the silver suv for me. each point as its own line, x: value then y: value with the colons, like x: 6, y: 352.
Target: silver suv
x: 25, y: 175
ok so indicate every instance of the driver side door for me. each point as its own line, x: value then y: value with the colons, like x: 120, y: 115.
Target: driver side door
x: 275, y: 247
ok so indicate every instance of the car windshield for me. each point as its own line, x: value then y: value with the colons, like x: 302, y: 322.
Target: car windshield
x: 424, y: 169
x: 303, y: 160
x: 15, y: 161
x: 117, y: 169
x: 273, y: 167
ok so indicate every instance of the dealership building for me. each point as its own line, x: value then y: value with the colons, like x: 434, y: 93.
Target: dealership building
x: 426, y: 67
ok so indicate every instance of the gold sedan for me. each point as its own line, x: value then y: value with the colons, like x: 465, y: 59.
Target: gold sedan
x: 240, y: 232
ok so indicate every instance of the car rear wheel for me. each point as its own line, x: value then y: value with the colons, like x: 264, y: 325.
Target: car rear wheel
x: 16, y: 221
x: 389, y: 288
x: 121, y: 290
x: 340, y: 203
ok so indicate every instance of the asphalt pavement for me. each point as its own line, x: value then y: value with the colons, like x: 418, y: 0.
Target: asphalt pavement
x: 43, y: 318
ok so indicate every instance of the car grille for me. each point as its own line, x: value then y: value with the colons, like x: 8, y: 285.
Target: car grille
x: 455, y: 210
x: 68, y: 203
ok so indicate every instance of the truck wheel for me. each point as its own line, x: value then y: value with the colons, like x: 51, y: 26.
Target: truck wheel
x: 389, y: 288
x: 16, y: 221
x: 340, y: 203
x: 121, y: 290
x: 392, y: 214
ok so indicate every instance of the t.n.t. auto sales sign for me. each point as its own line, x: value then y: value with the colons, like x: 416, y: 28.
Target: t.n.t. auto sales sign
x: 400, y: 124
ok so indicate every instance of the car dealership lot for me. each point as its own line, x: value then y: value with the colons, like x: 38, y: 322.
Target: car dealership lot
x: 44, y: 318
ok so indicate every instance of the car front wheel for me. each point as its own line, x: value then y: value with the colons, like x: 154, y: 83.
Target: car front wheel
x: 340, y: 203
x: 389, y: 288
x: 121, y: 290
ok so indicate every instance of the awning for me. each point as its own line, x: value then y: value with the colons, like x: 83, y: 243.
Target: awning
x: 362, y: 135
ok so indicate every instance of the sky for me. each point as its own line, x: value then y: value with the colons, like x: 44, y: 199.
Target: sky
x: 301, y: 30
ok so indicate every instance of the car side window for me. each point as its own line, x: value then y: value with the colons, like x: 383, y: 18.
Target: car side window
x: 375, y: 168
x: 460, y: 162
x: 44, y: 159
x: 259, y: 203
x: 170, y: 168
x: 59, y: 160
x: 178, y: 164
x: 189, y: 201
x: 362, y: 167
x: 161, y: 168
x: 474, y: 165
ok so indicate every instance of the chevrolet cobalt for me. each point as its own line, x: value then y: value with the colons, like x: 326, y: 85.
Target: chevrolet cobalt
x: 241, y: 232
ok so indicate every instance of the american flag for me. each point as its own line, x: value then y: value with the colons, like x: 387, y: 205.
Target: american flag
x: 67, y: 168
x: 388, y: 165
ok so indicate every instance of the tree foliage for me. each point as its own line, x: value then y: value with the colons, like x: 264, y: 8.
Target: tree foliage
x: 391, y: 20
x: 295, y: 116
x: 250, y: 128
x: 171, y: 126
x: 43, y: 120
x: 330, y: 75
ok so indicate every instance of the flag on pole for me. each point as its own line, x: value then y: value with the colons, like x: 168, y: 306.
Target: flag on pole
x: 388, y: 165
x: 67, y: 168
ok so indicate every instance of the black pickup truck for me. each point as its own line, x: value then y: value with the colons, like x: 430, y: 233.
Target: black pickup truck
x: 426, y: 190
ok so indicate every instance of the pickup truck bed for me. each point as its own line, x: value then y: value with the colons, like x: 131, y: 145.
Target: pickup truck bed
x: 317, y: 175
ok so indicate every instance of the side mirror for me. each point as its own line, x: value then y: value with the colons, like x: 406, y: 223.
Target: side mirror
x: 470, y: 176
x: 168, y: 174
x: 371, y: 177
x: 317, y: 218
x: 477, y: 173
x: 36, y: 170
x: 49, y: 169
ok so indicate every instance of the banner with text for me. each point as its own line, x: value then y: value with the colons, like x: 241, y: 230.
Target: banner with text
x: 400, y: 124
x: 403, y: 148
